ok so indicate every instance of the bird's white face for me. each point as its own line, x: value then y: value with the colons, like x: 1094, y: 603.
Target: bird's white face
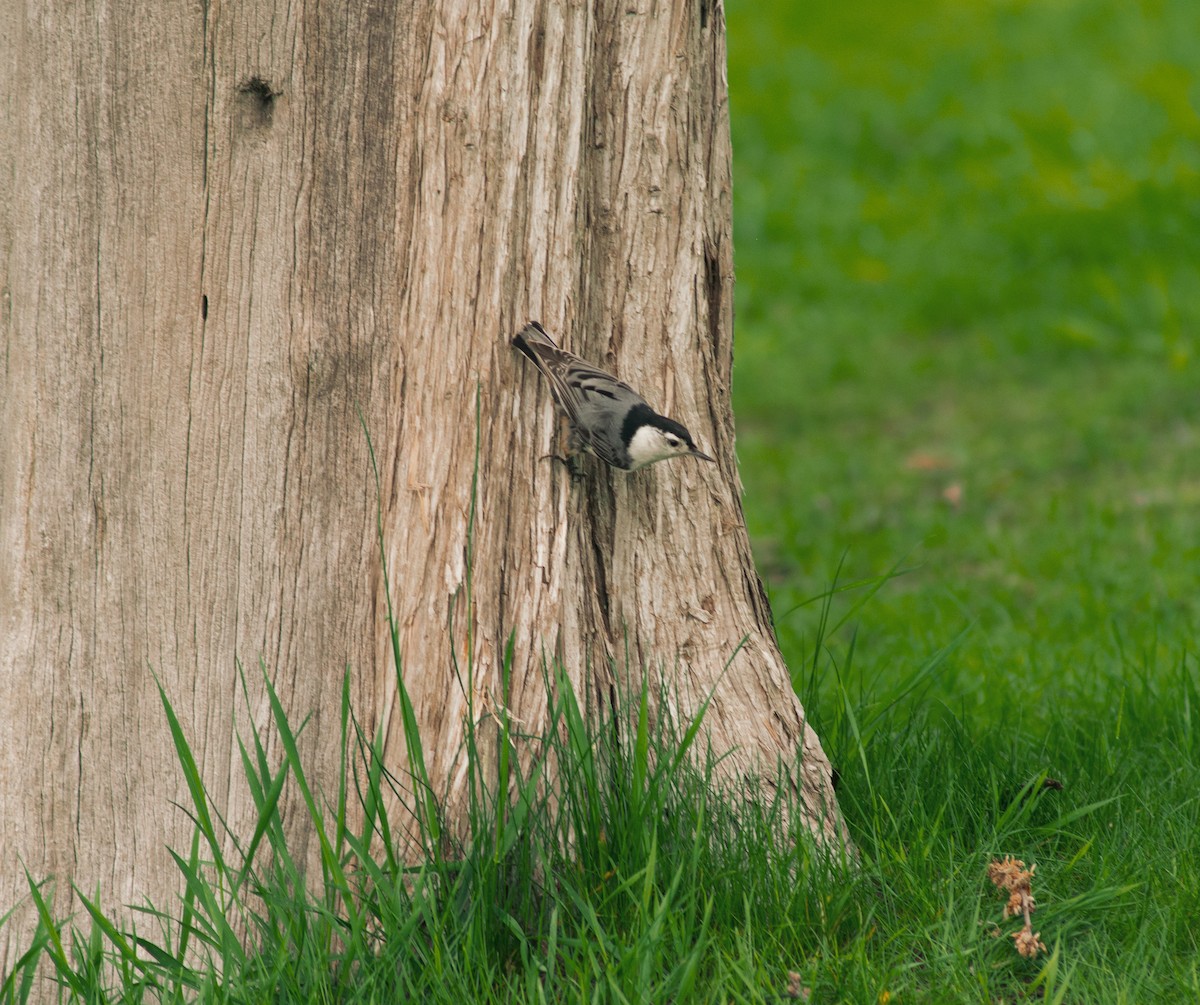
x: 650, y: 444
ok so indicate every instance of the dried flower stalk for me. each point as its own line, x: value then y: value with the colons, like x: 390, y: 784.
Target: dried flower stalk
x: 1011, y: 875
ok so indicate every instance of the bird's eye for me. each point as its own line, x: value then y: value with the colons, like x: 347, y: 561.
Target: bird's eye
x: 672, y: 442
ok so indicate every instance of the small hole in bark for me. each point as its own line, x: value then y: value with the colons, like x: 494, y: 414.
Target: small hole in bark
x: 204, y: 307
x: 258, y: 98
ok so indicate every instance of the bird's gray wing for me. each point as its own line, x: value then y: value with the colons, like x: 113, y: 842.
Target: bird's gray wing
x: 582, y: 391
x: 600, y: 445
x: 594, y: 401
x: 602, y: 402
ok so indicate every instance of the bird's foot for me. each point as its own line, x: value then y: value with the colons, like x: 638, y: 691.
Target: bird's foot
x: 572, y: 462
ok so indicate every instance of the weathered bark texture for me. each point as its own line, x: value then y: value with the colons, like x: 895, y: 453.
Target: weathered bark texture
x: 224, y: 229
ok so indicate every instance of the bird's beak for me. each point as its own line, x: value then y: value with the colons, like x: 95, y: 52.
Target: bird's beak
x: 704, y: 457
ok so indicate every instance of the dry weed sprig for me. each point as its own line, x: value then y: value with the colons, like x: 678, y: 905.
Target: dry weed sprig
x: 795, y: 989
x: 1011, y: 875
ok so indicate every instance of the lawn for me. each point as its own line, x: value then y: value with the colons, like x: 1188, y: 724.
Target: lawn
x: 968, y: 395
x: 967, y: 387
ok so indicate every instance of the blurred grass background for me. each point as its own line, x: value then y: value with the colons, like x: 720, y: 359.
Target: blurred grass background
x: 968, y: 334
x: 967, y: 241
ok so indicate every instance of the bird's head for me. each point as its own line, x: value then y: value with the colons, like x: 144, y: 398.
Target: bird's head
x: 652, y: 437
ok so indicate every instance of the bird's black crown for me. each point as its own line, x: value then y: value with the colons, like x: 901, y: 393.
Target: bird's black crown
x: 644, y: 415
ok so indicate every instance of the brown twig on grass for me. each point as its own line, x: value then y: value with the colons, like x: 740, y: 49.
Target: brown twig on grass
x: 1010, y: 874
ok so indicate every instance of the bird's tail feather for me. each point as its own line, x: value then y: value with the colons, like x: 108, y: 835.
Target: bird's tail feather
x: 529, y: 336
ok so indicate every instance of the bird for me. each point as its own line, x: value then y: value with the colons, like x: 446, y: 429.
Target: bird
x: 607, y: 416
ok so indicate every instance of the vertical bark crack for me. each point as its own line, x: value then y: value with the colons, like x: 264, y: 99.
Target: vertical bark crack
x: 600, y: 582
x: 713, y: 295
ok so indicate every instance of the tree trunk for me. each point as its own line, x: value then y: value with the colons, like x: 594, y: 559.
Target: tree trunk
x: 225, y: 230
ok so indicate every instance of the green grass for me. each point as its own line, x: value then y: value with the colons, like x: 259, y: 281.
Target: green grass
x: 639, y: 883
x: 968, y: 253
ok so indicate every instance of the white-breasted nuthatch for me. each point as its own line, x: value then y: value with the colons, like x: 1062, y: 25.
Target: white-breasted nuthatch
x: 607, y: 416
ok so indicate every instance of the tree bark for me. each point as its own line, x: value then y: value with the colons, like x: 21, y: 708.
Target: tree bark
x: 224, y: 231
